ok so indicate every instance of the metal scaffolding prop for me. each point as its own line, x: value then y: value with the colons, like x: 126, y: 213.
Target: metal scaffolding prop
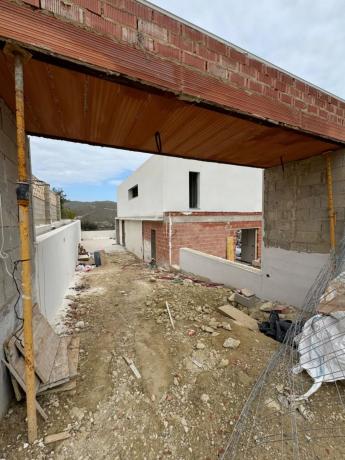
x: 20, y: 57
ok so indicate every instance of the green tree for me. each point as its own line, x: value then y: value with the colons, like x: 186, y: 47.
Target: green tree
x: 66, y: 213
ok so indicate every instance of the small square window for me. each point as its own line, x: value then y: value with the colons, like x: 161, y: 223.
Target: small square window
x: 133, y: 192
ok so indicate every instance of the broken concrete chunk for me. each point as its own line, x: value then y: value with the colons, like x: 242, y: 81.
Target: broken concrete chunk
x: 231, y: 343
x: 231, y: 298
x: 205, y: 398
x: 247, y: 292
x: 241, y: 318
x: 226, y: 326
x: 248, y: 302
x: 273, y: 405
x: 207, y: 329
x: 80, y: 324
x: 214, y: 323
x: 200, y: 346
x: 267, y: 306
x: 224, y: 362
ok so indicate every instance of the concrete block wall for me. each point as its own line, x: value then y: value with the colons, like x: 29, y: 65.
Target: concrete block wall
x: 227, y: 71
x: 10, y: 245
x: 46, y: 203
x: 295, y: 204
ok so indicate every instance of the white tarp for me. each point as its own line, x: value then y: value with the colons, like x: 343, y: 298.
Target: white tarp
x: 321, y: 346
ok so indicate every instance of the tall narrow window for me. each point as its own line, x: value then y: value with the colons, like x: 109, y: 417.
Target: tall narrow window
x: 194, y: 178
x: 133, y: 192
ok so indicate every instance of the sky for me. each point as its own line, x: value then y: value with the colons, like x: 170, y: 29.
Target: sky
x: 304, y: 37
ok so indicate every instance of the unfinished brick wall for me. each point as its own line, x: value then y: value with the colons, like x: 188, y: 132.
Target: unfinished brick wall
x: 208, y: 237
x: 46, y: 203
x: 162, y: 238
x: 296, y: 207
x: 226, y: 75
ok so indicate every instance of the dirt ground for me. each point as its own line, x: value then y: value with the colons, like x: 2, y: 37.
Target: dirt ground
x: 192, y: 389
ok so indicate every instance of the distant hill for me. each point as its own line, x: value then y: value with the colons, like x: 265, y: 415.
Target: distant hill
x: 100, y: 213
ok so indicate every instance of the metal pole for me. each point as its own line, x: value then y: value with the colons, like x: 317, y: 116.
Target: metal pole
x: 331, y: 213
x: 23, y: 198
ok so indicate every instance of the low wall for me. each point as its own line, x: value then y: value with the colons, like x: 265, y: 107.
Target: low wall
x: 288, y: 275
x: 231, y: 274
x: 56, y: 258
x: 285, y: 276
x: 97, y: 234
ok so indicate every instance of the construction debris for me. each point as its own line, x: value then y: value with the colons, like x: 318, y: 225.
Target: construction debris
x: 240, y: 318
x: 231, y: 343
x: 169, y: 313
x: 57, y: 437
x: 132, y: 367
x: 246, y: 301
x: 56, y: 359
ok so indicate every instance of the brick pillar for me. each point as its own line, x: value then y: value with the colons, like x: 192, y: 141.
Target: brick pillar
x: 47, y: 204
x: 58, y: 207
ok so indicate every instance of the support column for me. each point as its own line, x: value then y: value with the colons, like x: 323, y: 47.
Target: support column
x: 23, y: 199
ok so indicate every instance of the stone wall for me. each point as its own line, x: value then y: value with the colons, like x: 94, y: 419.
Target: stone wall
x: 295, y: 204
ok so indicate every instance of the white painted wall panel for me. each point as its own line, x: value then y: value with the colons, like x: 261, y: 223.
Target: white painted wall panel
x: 222, y: 187
x: 149, y: 202
x: 134, y: 237
x: 163, y: 184
x: 56, y: 258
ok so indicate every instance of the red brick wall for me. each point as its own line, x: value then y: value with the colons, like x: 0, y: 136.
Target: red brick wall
x: 207, y: 60
x: 162, y: 247
x: 208, y: 237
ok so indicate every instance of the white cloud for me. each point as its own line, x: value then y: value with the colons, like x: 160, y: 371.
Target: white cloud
x: 61, y: 163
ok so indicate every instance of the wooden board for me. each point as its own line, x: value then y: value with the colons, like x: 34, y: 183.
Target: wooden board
x: 16, y: 360
x: 60, y: 369
x: 22, y: 385
x: 68, y: 386
x: 73, y: 356
x: 46, y: 344
x: 241, y: 318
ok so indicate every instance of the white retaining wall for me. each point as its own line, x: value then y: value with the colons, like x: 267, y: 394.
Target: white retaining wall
x: 56, y: 258
x: 285, y: 276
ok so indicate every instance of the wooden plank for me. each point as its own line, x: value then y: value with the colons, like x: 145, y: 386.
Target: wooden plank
x: 46, y: 344
x: 17, y: 362
x: 57, y: 437
x: 60, y: 369
x: 241, y: 318
x: 22, y: 385
x: 15, y: 385
x: 73, y: 356
x: 68, y: 386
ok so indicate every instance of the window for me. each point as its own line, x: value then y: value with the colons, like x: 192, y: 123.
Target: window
x: 133, y: 192
x: 194, y: 189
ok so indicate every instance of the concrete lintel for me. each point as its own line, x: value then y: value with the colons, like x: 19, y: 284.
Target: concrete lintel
x: 215, y: 218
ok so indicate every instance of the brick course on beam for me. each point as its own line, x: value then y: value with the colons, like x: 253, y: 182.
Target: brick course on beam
x: 276, y: 95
